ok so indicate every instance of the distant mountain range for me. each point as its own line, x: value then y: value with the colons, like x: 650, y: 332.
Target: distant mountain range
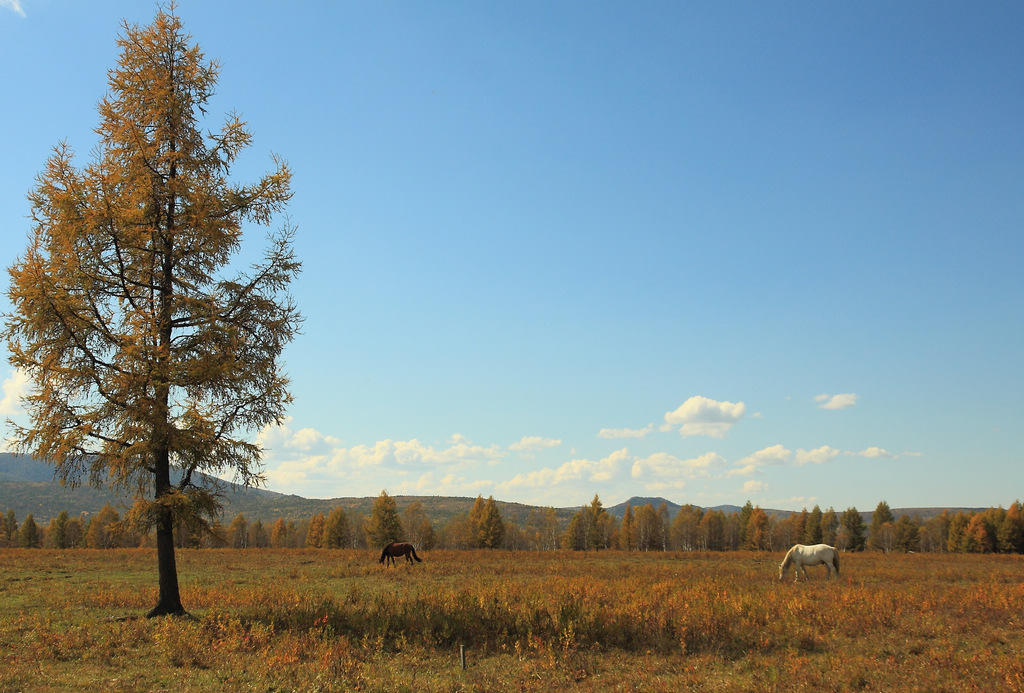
x: 638, y: 501
x: 28, y: 486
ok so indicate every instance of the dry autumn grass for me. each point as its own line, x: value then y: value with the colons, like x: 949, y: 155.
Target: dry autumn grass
x: 336, y: 620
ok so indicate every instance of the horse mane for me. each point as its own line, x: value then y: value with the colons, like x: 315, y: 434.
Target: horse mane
x: 789, y: 556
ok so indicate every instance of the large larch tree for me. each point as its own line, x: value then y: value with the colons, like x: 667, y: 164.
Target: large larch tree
x: 152, y: 360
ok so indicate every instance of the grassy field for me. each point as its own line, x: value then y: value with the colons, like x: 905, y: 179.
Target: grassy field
x: 336, y: 620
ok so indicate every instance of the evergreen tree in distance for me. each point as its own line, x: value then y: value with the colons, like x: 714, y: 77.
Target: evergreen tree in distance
x: 151, y: 364
x: 492, y: 527
x: 384, y: 526
x: 853, y: 530
x: 335, y: 529
x: 879, y: 520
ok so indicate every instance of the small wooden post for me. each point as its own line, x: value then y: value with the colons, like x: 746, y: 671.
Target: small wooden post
x: 462, y: 656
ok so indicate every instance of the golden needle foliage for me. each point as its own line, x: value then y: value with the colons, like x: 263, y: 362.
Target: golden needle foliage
x: 150, y: 361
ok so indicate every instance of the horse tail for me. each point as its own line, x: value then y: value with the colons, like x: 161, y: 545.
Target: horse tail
x: 420, y: 560
x: 835, y: 561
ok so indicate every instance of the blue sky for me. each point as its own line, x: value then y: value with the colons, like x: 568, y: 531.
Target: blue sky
x: 706, y: 251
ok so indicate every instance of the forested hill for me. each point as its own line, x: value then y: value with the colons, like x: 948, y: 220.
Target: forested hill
x: 18, y: 468
x: 27, y: 486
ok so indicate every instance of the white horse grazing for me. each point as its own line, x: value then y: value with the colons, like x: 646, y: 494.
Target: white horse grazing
x: 800, y: 556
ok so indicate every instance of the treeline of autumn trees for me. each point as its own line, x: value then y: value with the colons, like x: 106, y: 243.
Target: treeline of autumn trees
x: 643, y: 528
x: 694, y: 529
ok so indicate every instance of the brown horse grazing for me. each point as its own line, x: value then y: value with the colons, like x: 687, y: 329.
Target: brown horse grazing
x: 399, y: 548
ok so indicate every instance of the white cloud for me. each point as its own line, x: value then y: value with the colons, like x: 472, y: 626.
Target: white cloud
x: 705, y: 417
x: 779, y: 455
x: 412, y: 452
x: 776, y: 454
x: 464, y: 451
x: 754, y: 486
x: 875, y: 452
x: 626, y: 432
x: 797, y: 501
x: 281, y: 439
x: 817, y: 456
x: 14, y: 6
x: 448, y: 485
x: 316, y: 464
x: 380, y: 454
x: 836, y: 401
x: 534, y: 444
x: 751, y: 464
x: 662, y: 470
x: 14, y: 388
x: 573, y: 470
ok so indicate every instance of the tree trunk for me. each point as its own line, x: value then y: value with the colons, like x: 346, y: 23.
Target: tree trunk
x: 169, y: 601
